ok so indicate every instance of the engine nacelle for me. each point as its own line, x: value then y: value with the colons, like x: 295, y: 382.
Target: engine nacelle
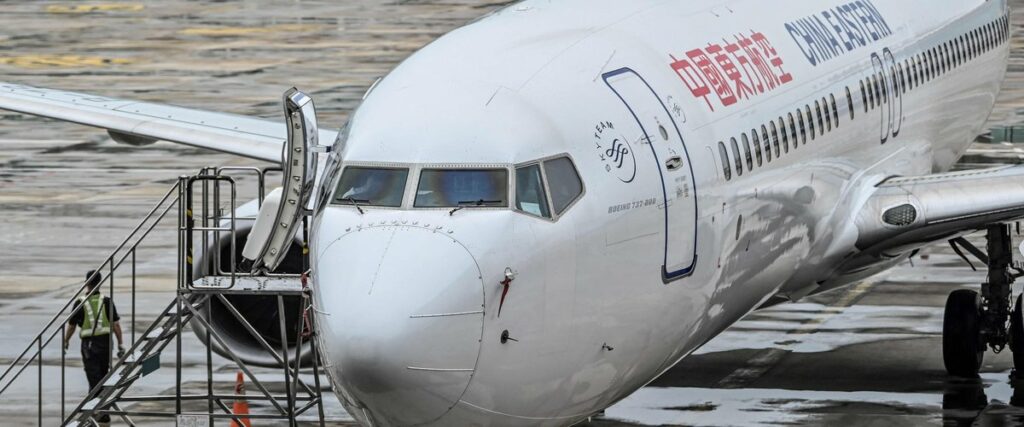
x: 260, y: 311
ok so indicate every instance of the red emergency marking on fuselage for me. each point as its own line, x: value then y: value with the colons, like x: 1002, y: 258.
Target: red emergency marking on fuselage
x: 732, y: 71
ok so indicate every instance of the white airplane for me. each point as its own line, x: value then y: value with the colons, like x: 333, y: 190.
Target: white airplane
x: 539, y: 213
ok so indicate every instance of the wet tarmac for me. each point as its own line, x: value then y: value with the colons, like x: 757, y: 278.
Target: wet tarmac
x: 867, y: 355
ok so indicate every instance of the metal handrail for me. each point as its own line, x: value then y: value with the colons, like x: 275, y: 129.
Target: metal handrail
x: 108, y: 261
x: 211, y: 222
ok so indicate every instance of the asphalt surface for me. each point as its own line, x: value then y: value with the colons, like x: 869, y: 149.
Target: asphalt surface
x: 867, y: 355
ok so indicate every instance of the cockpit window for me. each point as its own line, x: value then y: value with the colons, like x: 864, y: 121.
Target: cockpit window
x: 564, y: 183
x: 445, y: 188
x: 366, y: 186
x: 530, y: 194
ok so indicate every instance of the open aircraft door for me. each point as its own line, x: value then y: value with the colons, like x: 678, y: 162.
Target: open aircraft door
x: 282, y: 211
x: 658, y: 130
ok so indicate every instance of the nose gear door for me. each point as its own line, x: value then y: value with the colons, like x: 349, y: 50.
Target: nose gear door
x: 660, y: 133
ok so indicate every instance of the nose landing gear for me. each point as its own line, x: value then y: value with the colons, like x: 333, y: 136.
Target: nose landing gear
x: 974, y: 321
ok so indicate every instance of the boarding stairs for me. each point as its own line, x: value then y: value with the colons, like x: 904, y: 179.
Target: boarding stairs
x: 206, y: 207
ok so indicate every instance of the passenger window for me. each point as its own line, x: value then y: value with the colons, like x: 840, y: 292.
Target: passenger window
x: 767, y: 141
x: 903, y: 77
x: 775, y: 136
x: 928, y: 65
x: 849, y: 101
x: 803, y: 130
x: 736, y: 156
x: 835, y: 110
x: 881, y: 91
x: 895, y: 82
x: 947, y: 64
x: 449, y: 188
x: 792, y: 132
x: 757, y: 147
x: 864, y: 96
x: 871, y: 91
x: 897, y: 78
x: 919, y: 72
x: 924, y: 67
x: 942, y: 60
x: 724, y: 154
x: 828, y: 114
x: 926, y: 62
x: 564, y: 183
x: 530, y: 195
x: 810, y: 122
x: 961, y: 56
x: 746, y: 152
x: 821, y: 123
x: 364, y: 186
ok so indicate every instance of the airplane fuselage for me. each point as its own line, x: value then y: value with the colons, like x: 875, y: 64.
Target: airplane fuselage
x: 724, y: 150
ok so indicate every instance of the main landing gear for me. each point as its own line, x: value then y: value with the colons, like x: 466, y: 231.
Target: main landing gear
x: 973, y: 322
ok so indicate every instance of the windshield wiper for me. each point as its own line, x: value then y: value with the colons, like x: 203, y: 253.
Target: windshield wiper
x: 474, y: 203
x: 356, y: 202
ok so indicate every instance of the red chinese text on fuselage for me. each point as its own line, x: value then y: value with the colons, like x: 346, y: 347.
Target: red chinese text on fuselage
x: 732, y: 71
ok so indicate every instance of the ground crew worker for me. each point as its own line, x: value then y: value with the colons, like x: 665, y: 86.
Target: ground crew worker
x: 97, y: 318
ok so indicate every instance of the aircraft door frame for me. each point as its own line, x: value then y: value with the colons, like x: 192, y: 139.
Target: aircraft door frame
x: 679, y: 258
x: 895, y: 109
x: 882, y: 96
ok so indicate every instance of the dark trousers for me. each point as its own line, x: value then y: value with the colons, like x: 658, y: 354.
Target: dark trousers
x: 96, y: 358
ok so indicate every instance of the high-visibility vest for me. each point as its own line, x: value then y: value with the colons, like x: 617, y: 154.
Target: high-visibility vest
x: 94, y: 322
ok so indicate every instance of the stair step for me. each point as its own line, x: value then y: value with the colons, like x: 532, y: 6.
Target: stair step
x: 154, y: 334
x: 90, y: 405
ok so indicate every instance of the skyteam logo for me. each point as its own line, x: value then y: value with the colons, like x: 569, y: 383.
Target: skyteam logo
x: 615, y: 152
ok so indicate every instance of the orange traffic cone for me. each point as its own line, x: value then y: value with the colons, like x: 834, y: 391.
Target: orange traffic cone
x: 241, y: 406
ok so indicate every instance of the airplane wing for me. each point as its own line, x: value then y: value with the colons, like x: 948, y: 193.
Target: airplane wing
x: 907, y: 213
x: 140, y: 123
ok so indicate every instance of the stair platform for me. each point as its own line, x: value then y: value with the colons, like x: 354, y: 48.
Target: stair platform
x: 276, y: 285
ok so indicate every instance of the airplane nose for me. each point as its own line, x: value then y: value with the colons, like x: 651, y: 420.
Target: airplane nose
x: 404, y: 321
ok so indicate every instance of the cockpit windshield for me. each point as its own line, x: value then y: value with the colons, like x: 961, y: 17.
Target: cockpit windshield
x: 446, y: 188
x: 367, y: 186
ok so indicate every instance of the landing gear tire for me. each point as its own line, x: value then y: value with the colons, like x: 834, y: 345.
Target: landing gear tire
x: 962, y: 348
x: 1017, y: 336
